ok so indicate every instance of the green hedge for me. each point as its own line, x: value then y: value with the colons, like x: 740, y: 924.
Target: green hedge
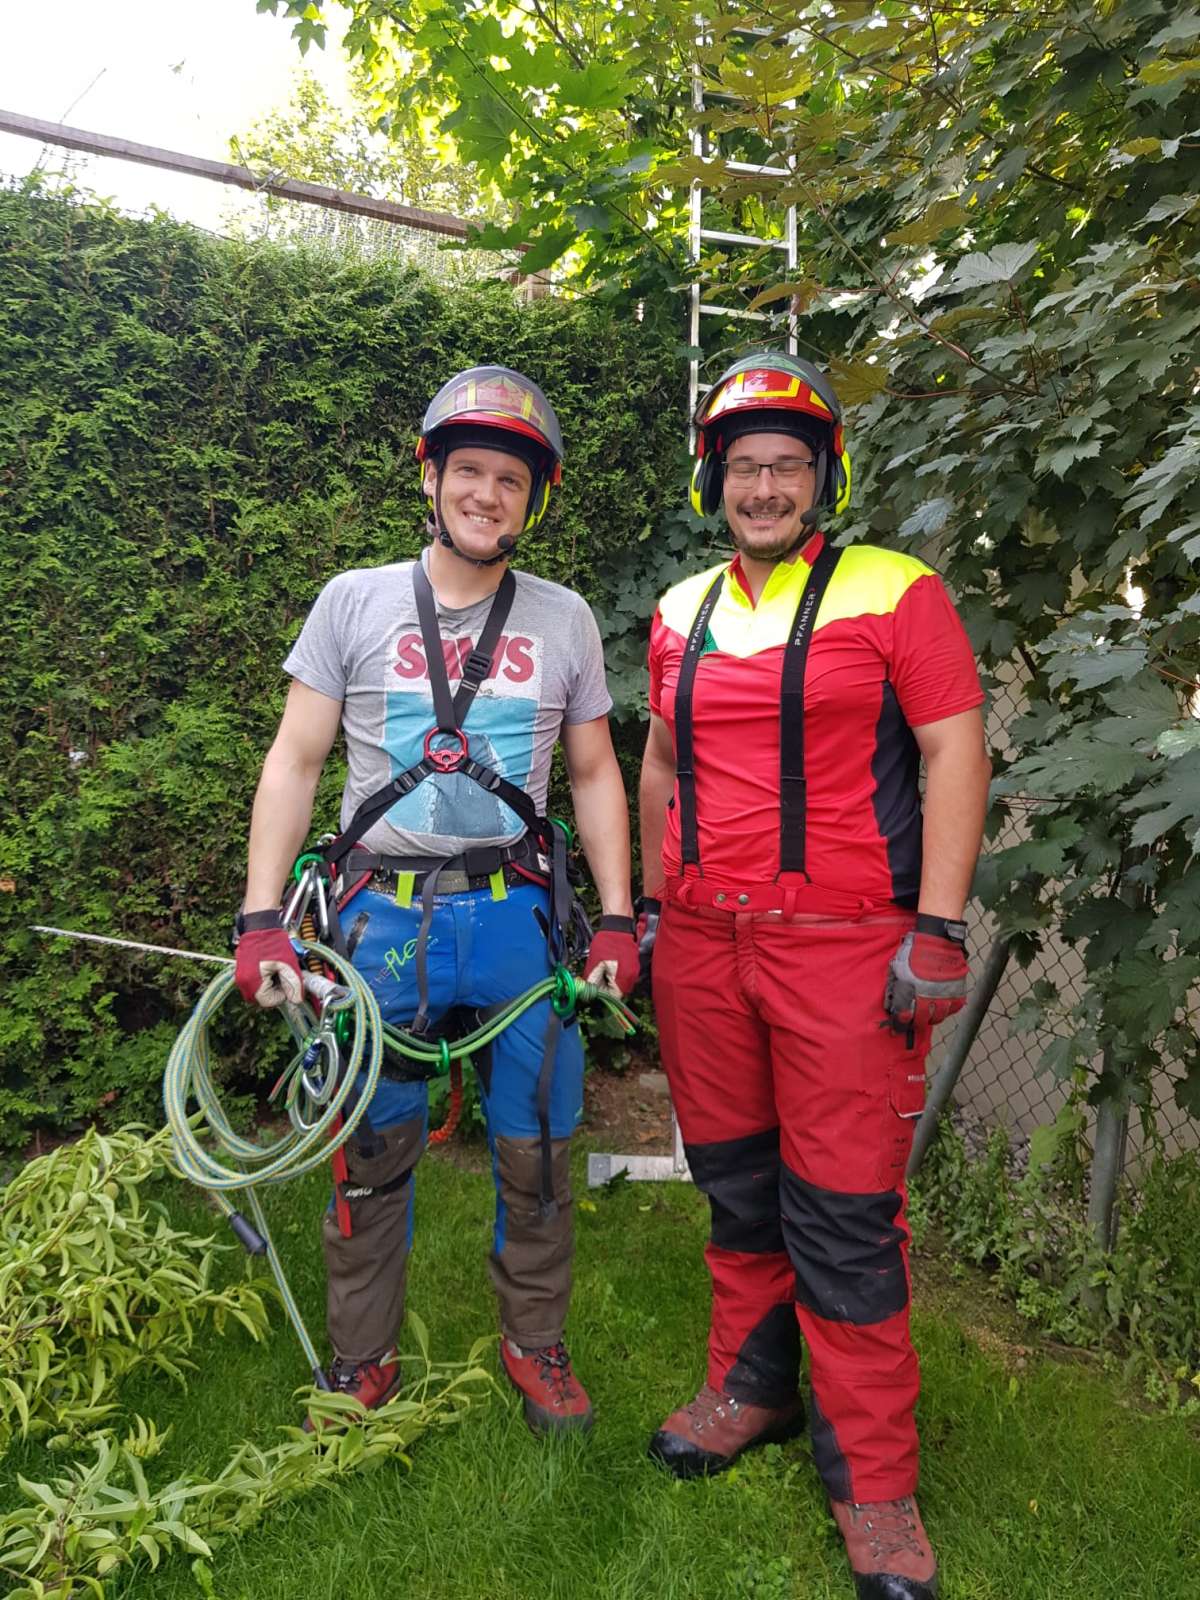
x: 194, y: 435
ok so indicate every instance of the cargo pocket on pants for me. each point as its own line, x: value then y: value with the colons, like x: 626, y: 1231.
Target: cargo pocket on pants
x: 905, y: 1103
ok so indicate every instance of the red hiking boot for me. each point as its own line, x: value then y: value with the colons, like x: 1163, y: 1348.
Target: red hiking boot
x: 889, y: 1552
x: 555, y: 1400
x: 372, y: 1383
x: 711, y: 1431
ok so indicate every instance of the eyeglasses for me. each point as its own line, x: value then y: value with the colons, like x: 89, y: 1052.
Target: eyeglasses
x: 789, y: 470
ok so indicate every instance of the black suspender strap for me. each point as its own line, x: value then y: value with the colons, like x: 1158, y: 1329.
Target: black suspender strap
x: 793, y: 799
x: 685, y: 767
x: 792, y: 787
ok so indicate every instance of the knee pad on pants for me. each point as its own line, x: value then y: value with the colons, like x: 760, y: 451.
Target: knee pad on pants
x: 741, y: 1179
x: 366, y: 1272
x: 846, y: 1250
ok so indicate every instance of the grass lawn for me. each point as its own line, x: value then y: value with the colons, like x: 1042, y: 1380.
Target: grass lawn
x: 1041, y: 1479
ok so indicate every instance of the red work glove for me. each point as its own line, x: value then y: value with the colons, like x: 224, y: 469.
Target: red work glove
x: 927, y: 980
x: 612, y: 959
x: 267, y: 971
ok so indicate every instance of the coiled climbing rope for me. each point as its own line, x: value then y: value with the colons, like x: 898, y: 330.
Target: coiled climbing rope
x: 325, y: 1089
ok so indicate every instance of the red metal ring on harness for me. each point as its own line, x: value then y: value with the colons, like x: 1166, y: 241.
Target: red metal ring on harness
x: 448, y: 758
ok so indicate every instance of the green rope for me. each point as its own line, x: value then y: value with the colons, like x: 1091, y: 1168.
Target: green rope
x: 333, y: 1048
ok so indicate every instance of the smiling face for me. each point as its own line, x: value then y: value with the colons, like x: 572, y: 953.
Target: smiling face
x: 764, y: 510
x: 484, y: 495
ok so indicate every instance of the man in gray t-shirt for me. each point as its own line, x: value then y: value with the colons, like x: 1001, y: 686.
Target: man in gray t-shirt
x: 383, y: 654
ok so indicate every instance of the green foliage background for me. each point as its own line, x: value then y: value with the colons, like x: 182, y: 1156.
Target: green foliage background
x: 194, y: 436
x: 997, y: 257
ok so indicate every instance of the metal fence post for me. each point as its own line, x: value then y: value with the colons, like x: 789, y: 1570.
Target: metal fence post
x: 969, y: 1022
x: 1108, y: 1160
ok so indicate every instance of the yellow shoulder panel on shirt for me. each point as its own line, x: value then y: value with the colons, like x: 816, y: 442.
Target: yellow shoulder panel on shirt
x: 869, y: 581
x: 678, y: 607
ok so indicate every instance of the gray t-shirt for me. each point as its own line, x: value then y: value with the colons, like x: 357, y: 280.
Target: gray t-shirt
x: 361, y: 644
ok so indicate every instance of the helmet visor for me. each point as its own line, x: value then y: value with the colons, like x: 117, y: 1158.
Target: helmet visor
x: 494, y: 397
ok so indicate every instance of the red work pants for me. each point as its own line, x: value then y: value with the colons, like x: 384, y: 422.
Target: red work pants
x: 797, y: 1102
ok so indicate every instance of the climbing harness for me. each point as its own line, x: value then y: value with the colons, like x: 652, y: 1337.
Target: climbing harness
x: 446, y: 751
x: 793, y: 806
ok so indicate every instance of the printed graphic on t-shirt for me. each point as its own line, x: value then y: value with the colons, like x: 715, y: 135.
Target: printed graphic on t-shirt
x: 499, y: 730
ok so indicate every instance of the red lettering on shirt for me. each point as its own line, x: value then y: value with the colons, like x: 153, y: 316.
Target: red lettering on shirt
x: 497, y: 657
x: 410, y: 661
x: 514, y: 654
x: 520, y: 659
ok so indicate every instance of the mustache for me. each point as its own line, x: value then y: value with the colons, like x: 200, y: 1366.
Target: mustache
x: 766, y: 508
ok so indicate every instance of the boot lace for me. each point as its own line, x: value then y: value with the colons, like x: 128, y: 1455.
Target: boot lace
x: 891, y: 1526
x: 554, y: 1370
x: 347, y: 1376
x: 709, y: 1404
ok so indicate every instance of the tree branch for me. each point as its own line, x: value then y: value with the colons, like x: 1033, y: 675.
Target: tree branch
x: 552, y: 25
x: 904, y: 305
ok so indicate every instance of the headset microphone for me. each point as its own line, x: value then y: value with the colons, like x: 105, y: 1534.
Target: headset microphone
x: 506, y: 542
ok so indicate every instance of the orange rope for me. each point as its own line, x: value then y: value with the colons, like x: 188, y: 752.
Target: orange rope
x: 454, y: 1112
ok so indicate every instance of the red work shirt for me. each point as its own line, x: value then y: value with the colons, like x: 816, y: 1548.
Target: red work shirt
x: 888, y: 654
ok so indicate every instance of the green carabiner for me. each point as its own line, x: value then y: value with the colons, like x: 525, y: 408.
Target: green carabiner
x: 567, y: 831
x: 565, y: 995
x: 304, y: 861
x: 444, y: 1064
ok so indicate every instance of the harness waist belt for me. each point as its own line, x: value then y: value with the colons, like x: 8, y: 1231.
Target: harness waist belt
x: 469, y: 869
x: 472, y: 869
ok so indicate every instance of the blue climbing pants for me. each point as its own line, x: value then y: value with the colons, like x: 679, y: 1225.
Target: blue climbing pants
x: 481, y: 953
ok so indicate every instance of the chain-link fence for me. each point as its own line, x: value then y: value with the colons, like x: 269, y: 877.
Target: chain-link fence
x: 1000, y: 1085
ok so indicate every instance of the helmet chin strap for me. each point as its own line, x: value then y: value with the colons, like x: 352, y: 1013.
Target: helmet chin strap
x: 505, y: 544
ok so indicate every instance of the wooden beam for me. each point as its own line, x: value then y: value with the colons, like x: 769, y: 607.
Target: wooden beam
x: 315, y: 194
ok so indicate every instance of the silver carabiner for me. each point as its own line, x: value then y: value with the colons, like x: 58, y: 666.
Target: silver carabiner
x: 322, y: 907
x: 297, y: 906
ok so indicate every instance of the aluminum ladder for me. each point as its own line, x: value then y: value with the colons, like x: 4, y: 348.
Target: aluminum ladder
x: 659, y: 1168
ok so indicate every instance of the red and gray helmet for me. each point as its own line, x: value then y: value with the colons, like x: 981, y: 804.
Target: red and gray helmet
x: 770, y: 391
x: 495, y: 408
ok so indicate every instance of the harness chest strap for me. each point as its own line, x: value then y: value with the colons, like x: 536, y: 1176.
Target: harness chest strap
x: 793, y: 807
x: 450, y: 712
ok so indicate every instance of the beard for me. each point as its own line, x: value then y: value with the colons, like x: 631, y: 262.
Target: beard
x: 763, y: 547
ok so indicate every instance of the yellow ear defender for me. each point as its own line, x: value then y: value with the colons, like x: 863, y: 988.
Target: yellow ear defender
x: 842, y: 480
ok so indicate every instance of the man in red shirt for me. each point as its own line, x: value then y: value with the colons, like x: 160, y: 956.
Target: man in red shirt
x: 810, y: 937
